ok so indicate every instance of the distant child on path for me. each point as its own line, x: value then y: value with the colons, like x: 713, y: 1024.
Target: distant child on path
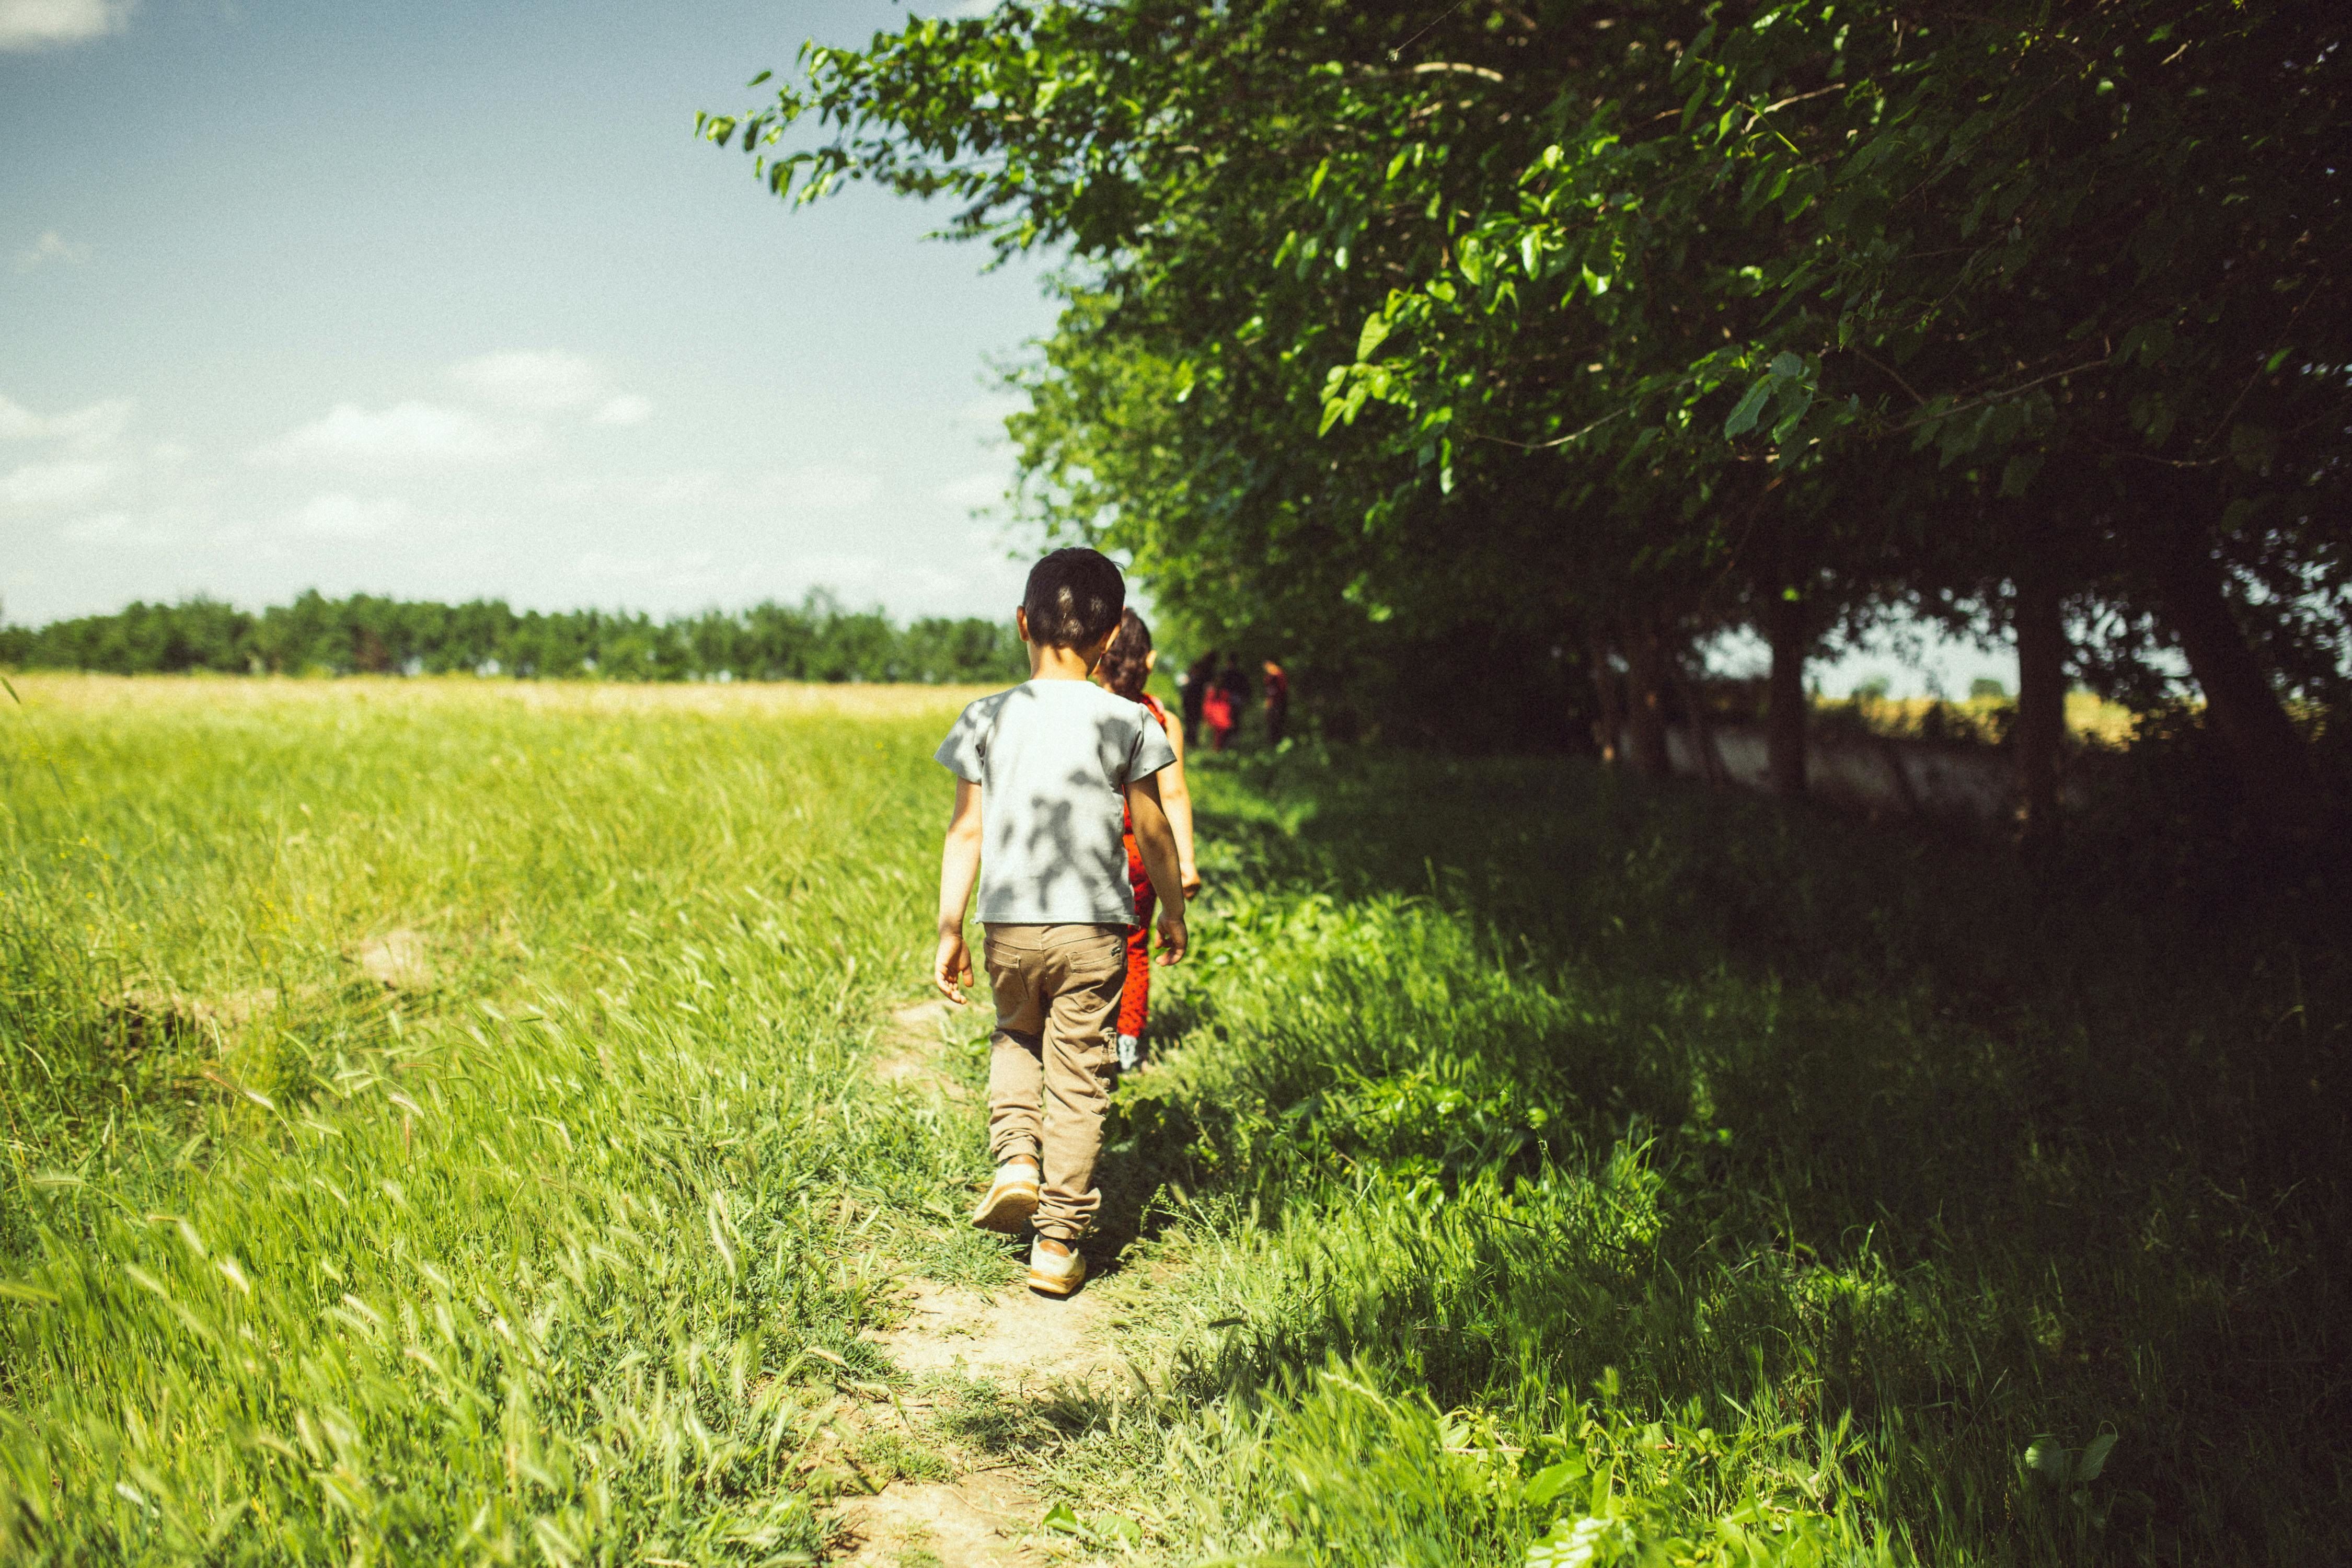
x: 1227, y: 695
x: 1277, y: 702
x: 1219, y: 710
x: 1123, y: 670
x: 1193, y: 685
x: 1041, y: 772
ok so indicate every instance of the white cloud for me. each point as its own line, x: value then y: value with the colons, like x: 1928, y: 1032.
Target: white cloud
x: 336, y: 515
x: 818, y: 488
x: 974, y: 490
x: 39, y: 23
x: 628, y: 408
x: 537, y: 382
x: 84, y: 429
x: 406, y: 434
x: 549, y: 381
x: 51, y: 246
x: 55, y: 484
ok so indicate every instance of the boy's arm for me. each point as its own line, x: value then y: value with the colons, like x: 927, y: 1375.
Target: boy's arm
x: 959, y: 870
x: 1176, y: 800
x: 1156, y: 843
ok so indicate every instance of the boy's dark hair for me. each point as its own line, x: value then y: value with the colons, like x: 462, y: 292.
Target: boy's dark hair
x: 1074, y: 596
x: 1127, y: 665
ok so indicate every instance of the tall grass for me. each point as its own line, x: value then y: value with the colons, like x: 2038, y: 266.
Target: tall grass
x: 1762, y: 1189
x: 556, y: 1254
x: 1541, y: 1169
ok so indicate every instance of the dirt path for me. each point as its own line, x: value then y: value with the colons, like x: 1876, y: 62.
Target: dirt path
x: 1021, y: 1345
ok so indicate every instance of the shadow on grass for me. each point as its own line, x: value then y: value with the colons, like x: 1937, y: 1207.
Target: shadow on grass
x: 1532, y: 1072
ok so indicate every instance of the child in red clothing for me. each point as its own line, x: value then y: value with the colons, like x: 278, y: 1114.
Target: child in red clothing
x: 1123, y: 671
x: 1217, y: 708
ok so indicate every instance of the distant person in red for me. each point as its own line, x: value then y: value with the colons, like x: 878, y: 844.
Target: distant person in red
x: 1217, y: 712
x: 1123, y: 671
x: 1193, y: 687
x: 1277, y: 704
x: 1228, y: 695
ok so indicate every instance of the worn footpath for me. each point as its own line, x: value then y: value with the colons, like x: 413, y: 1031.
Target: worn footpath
x: 1009, y: 1353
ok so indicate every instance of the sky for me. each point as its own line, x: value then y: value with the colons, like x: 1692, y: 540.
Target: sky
x: 444, y: 301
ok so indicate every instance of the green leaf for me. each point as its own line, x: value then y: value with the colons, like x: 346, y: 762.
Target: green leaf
x: 1691, y: 108
x: 1550, y: 1482
x: 2094, y: 1457
x: 1060, y: 1518
x: 758, y: 79
x: 2252, y: 446
x: 1796, y: 397
x: 1743, y: 418
x: 2046, y: 1457
x: 1786, y: 366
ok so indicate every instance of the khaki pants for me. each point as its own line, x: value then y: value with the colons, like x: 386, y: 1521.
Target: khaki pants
x: 1053, y: 1058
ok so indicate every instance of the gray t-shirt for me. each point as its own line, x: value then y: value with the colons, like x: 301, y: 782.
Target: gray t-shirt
x: 1053, y: 760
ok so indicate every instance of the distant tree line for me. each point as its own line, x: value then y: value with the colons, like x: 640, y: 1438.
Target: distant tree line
x: 817, y: 639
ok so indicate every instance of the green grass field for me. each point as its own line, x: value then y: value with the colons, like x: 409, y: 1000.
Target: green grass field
x: 437, y: 1132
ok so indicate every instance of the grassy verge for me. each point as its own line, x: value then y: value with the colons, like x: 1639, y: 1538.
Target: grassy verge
x: 556, y: 1248
x: 1576, y: 1169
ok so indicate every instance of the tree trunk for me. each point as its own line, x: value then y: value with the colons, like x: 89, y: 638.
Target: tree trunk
x: 1646, y: 724
x: 2273, y: 766
x: 1702, y: 732
x: 2041, y: 697
x: 1784, y: 712
x: 1898, y: 777
x: 1609, y: 720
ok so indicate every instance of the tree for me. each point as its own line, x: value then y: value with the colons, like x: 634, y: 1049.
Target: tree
x: 1668, y: 315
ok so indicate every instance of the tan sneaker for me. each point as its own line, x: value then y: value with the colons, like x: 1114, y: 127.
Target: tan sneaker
x: 1055, y: 1267
x: 1011, y: 1199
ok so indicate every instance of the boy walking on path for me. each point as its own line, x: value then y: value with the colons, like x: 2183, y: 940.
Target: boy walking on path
x: 1041, y: 774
